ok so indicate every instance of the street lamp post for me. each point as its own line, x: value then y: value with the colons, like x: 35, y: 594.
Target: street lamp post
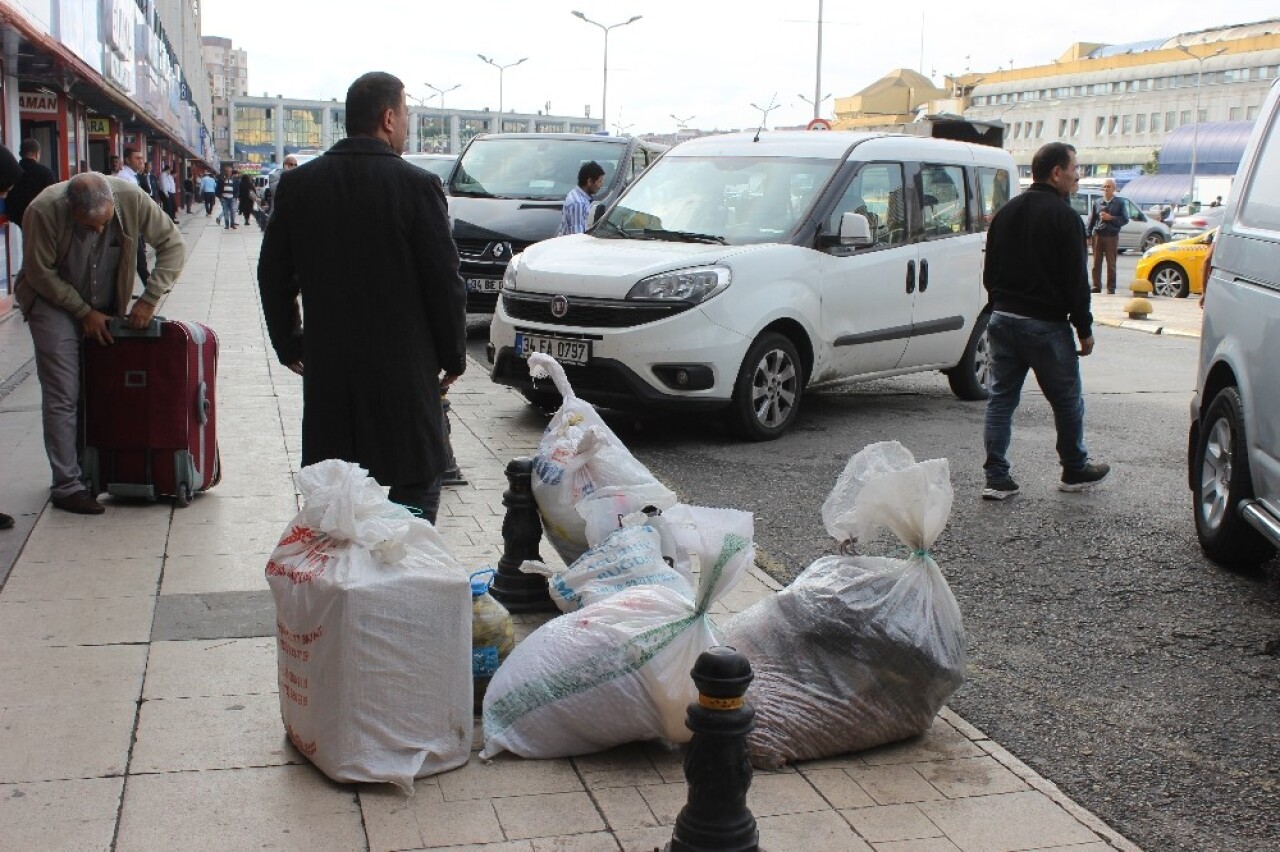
x: 817, y: 83
x: 501, y: 69
x: 764, y: 112
x: 1195, y: 124
x: 681, y: 123
x: 442, y: 93
x: 604, y: 94
x: 815, y: 104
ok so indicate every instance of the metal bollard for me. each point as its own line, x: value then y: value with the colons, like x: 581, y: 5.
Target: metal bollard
x: 521, y: 532
x: 452, y: 474
x: 716, y: 765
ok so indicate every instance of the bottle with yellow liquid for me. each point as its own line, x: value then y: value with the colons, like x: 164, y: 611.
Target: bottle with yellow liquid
x: 492, y: 634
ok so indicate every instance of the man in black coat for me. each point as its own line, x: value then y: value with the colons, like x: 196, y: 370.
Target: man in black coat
x: 35, y: 177
x: 364, y: 238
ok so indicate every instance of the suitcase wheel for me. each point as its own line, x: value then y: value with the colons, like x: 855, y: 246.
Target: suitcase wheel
x: 183, y: 498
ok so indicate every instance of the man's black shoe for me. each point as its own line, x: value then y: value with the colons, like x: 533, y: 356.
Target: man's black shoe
x: 6, y: 522
x: 1079, y: 480
x: 80, y: 503
x: 1000, y: 489
x: 1095, y: 289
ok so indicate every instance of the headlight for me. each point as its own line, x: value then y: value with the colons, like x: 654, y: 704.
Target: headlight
x: 509, y: 277
x: 684, y: 285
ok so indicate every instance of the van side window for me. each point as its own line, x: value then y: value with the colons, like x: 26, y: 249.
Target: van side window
x: 993, y: 192
x: 876, y: 192
x: 1080, y: 203
x: 638, y: 162
x: 943, y: 206
x: 1260, y: 206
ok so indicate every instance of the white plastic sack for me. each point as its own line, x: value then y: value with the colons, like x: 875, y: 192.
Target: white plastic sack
x: 628, y: 558
x: 613, y: 672
x: 859, y: 650
x: 577, y: 455
x: 373, y: 620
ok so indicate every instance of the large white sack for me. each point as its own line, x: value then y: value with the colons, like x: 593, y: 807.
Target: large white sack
x: 617, y: 670
x: 373, y: 620
x: 577, y: 455
x: 858, y: 650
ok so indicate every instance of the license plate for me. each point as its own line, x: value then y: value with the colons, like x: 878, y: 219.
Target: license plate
x: 565, y: 351
x: 484, y: 285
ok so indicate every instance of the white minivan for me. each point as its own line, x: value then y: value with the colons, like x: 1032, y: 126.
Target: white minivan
x: 741, y: 269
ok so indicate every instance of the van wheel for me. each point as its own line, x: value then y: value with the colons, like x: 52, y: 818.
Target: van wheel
x: 971, y: 378
x: 766, y: 396
x: 1169, y: 279
x: 1221, y: 480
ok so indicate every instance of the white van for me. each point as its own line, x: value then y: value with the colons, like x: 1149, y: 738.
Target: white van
x: 741, y: 269
x: 1233, y: 449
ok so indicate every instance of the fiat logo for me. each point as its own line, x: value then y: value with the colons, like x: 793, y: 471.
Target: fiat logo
x: 559, y: 306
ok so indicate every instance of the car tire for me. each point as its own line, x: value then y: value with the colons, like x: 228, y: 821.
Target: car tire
x: 1169, y: 279
x: 1220, y: 480
x: 971, y: 378
x: 1152, y: 240
x: 766, y: 395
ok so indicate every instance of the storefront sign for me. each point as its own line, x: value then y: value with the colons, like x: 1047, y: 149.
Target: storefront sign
x: 38, y: 102
x: 99, y: 126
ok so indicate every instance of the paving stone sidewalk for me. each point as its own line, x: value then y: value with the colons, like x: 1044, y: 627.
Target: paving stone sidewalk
x: 138, y: 699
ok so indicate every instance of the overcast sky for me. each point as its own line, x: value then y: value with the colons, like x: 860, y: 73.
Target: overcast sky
x: 709, y: 59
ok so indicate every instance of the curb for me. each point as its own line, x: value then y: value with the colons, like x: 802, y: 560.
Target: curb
x: 1146, y: 327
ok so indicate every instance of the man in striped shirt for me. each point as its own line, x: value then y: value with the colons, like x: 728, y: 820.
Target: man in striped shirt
x: 578, y: 201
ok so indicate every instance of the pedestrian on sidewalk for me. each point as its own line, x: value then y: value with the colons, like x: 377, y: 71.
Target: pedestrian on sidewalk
x: 169, y: 194
x: 77, y: 273
x: 188, y: 191
x: 36, y: 177
x: 208, y: 192
x: 248, y: 197
x: 10, y: 173
x: 134, y: 169
x: 226, y: 192
x: 1035, y: 278
x: 364, y: 238
x: 1106, y: 219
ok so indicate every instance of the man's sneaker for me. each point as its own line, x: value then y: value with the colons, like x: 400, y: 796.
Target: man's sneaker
x: 1000, y: 489
x: 1079, y: 480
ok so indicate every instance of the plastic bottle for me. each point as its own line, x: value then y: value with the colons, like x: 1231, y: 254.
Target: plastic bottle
x: 492, y: 634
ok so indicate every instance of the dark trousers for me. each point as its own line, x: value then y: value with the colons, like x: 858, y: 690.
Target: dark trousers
x: 1104, y: 246
x: 142, y: 262
x: 423, y: 498
x: 209, y: 198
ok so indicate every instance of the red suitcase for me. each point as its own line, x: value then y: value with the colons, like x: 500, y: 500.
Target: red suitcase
x: 149, y: 411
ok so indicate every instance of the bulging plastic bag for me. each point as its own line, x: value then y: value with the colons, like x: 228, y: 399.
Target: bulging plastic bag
x: 859, y: 650
x: 615, y: 671
x: 628, y: 558
x: 579, y: 454
x: 373, y: 619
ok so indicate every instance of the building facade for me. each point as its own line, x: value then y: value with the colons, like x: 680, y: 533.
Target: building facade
x: 89, y: 78
x: 227, y: 67
x: 262, y: 130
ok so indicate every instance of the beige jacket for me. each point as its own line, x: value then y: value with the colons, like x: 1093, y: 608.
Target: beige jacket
x: 47, y: 227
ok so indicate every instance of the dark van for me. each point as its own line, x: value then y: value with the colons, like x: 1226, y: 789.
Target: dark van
x: 508, y: 189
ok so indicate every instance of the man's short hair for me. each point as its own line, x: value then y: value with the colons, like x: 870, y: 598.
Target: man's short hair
x: 589, y: 172
x: 29, y: 148
x: 1050, y: 156
x: 369, y: 97
x: 89, y: 194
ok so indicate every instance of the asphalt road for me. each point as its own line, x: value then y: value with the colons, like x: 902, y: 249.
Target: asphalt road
x: 1105, y: 651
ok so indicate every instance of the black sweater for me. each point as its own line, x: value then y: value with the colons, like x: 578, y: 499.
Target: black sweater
x: 1035, y: 262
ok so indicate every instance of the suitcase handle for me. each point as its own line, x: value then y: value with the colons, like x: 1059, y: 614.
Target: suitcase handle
x: 202, y: 403
x: 119, y: 328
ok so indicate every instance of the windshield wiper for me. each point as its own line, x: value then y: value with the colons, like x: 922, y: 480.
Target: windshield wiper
x: 684, y: 236
x: 605, y: 223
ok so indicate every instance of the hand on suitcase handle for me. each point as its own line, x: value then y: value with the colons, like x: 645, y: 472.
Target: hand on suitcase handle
x: 140, y: 315
x: 94, y: 326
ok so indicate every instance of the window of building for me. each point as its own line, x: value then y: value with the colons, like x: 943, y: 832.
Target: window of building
x: 1204, y: 116
x: 1017, y: 130
x: 1162, y: 82
x: 1075, y: 127
x: 303, y: 128
x: 1062, y: 128
x: 583, y: 128
x: 1169, y: 121
x: 1140, y: 123
x: 253, y: 126
x: 1184, y: 118
x: 1080, y: 90
x: 1039, y: 129
x: 1155, y: 122
x: 1235, y: 114
x: 1251, y: 113
x: 1114, y: 126
x: 1127, y: 124
x: 1101, y: 129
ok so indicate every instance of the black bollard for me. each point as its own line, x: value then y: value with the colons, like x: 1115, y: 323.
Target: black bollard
x: 521, y: 532
x: 452, y: 474
x: 716, y: 765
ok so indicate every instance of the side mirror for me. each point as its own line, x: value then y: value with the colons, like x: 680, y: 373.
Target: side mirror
x: 594, y: 214
x: 855, y: 230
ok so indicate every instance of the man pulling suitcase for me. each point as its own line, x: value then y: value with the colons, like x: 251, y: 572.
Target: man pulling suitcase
x: 79, y: 259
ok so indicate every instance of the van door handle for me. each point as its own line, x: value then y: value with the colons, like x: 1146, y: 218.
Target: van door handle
x: 911, y: 276
x: 924, y: 275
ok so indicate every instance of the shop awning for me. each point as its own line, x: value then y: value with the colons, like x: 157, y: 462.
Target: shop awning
x: 1146, y: 190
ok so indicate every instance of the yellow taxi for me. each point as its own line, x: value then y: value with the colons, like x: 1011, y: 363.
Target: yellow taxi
x: 1176, y: 268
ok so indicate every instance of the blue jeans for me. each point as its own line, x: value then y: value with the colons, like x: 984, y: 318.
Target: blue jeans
x: 1049, y: 349
x: 228, y: 212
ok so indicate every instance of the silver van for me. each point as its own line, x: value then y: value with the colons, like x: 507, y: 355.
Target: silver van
x: 1234, y: 444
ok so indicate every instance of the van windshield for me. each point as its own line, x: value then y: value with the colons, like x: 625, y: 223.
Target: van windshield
x: 540, y: 169
x: 731, y: 200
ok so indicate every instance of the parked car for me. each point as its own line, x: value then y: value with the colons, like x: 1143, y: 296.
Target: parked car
x: 1234, y: 442
x: 1206, y: 219
x: 440, y: 165
x: 1176, y: 268
x: 1142, y: 231
x: 507, y: 193
x: 741, y: 269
